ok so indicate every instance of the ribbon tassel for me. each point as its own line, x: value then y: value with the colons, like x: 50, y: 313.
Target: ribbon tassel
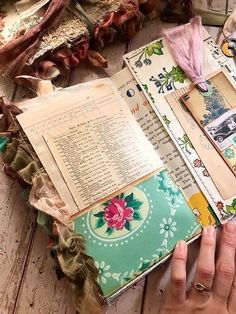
x: 186, y: 43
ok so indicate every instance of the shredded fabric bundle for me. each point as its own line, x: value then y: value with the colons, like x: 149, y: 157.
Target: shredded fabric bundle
x: 8, y: 125
x: 55, y: 36
x: 15, y: 54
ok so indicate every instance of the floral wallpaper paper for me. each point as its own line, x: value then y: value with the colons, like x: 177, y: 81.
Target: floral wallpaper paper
x: 136, y: 229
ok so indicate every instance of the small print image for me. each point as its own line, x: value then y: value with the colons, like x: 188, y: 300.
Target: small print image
x: 223, y: 129
x: 230, y: 156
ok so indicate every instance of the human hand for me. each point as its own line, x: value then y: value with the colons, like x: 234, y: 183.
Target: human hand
x: 217, y: 278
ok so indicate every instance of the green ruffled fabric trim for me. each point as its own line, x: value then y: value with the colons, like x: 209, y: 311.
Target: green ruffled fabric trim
x: 71, y: 248
x: 81, y: 271
x: 21, y: 158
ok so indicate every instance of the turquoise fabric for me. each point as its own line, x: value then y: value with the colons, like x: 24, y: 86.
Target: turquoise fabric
x: 136, y: 229
x: 3, y: 143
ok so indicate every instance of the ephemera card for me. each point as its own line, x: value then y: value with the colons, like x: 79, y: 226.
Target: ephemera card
x: 215, y: 113
x: 209, y: 157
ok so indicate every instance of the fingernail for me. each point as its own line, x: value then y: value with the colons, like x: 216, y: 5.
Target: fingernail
x: 209, y: 231
x: 181, y: 245
x: 230, y: 227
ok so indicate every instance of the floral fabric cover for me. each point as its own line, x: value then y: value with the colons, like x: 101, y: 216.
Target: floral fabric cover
x: 135, y: 230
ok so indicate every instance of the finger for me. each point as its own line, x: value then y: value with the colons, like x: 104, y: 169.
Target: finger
x: 177, y: 290
x: 205, y: 269
x: 232, y: 296
x: 225, y: 267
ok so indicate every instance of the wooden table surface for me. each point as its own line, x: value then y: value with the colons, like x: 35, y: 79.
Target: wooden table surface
x: 28, y: 284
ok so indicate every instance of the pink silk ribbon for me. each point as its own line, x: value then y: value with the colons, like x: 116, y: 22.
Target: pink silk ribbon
x: 186, y: 43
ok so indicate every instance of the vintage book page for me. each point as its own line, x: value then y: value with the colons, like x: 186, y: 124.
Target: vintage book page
x: 101, y: 152
x: 97, y: 144
x: 158, y: 75
x: 161, y: 141
x: 34, y: 134
x: 35, y: 125
x: 214, y: 164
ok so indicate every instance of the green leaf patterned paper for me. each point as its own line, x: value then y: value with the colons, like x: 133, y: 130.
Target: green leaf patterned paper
x: 136, y: 229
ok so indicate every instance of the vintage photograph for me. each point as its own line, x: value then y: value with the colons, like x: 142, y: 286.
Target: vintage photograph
x: 223, y: 129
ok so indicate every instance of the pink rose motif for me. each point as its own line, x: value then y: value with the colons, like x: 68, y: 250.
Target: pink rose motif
x: 197, y: 163
x: 220, y: 205
x: 117, y: 214
x: 205, y: 173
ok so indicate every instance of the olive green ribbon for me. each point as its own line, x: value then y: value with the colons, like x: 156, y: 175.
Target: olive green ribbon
x: 80, y: 269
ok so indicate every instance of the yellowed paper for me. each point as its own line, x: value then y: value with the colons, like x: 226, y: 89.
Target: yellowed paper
x: 45, y: 113
x: 101, y: 153
x: 154, y: 130
x: 83, y: 103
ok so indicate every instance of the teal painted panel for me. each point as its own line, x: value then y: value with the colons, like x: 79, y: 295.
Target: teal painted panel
x: 136, y: 229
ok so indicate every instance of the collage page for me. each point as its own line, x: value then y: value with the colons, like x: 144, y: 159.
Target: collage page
x: 158, y: 75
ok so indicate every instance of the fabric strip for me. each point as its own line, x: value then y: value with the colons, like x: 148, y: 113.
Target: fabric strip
x: 186, y: 43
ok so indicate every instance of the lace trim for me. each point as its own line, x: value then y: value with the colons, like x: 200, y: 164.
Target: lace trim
x: 67, y: 31
x: 96, y: 10
x: 71, y: 27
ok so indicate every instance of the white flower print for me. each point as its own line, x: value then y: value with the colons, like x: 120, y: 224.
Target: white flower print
x: 116, y: 276
x: 164, y: 243
x: 127, y: 276
x: 103, y: 272
x: 168, y: 227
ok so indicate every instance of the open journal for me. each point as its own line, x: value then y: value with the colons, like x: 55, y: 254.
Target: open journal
x: 108, y: 153
x: 133, y: 162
